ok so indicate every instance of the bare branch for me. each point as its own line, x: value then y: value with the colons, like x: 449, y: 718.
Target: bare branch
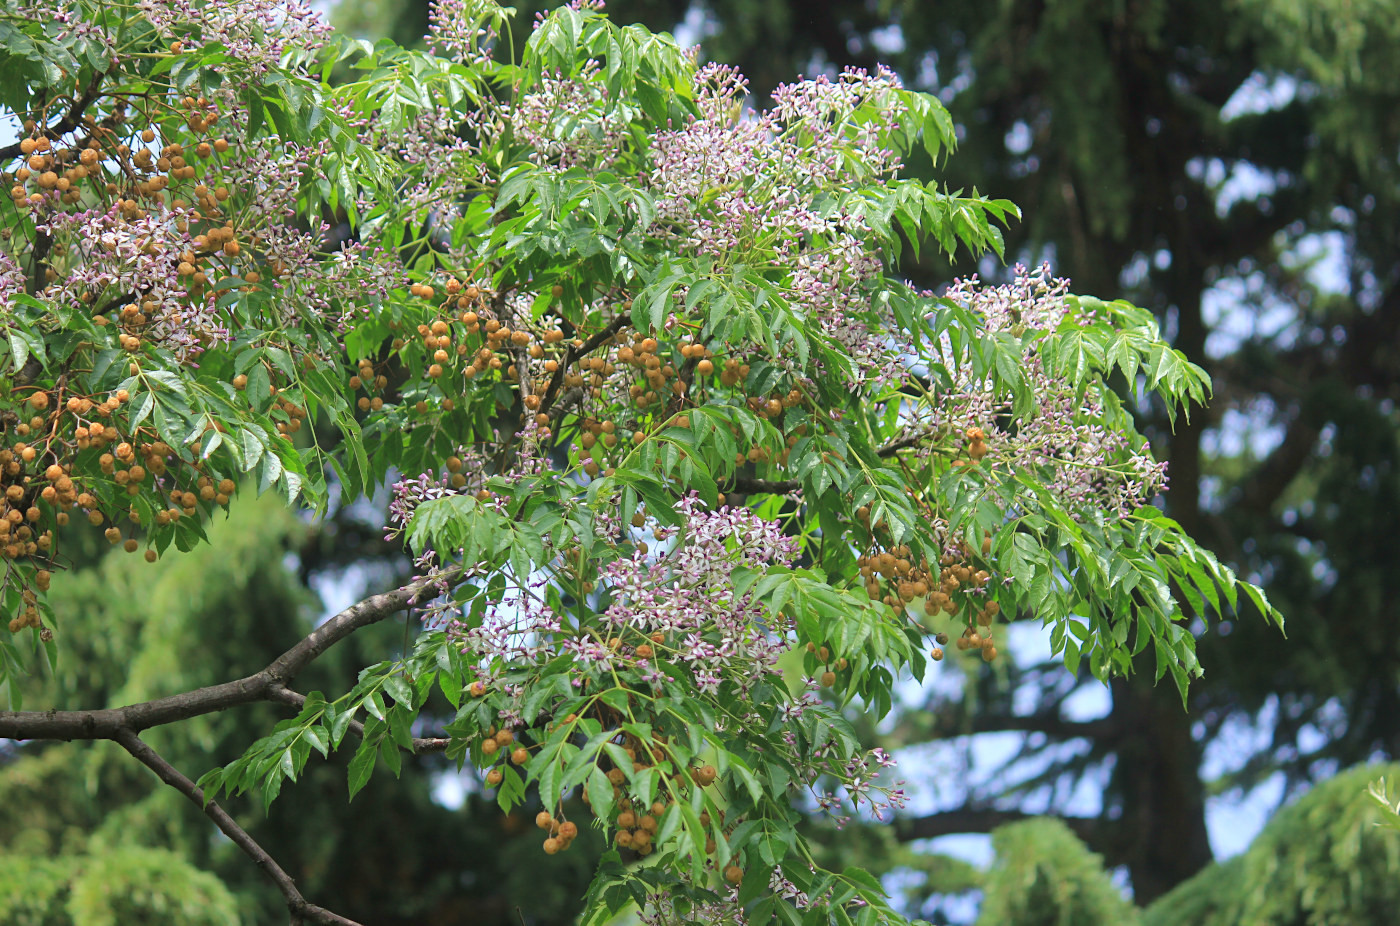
x: 302, y: 912
x: 1095, y: 833
x: 371, y: 610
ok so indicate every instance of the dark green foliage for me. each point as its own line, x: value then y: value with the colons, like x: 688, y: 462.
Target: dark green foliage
x: 1322, y: 861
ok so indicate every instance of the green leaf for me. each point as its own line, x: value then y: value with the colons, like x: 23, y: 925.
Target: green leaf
x: 374, y: 703
x: 362, y: 765
x: 600, y: 793
x: 398, y: 688
x: 317, y: 737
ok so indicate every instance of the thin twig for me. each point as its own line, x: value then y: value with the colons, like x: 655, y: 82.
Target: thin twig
x: 747, y: 485
x: 296, y: 699
x: 894, y: 447
x: 301, y: 910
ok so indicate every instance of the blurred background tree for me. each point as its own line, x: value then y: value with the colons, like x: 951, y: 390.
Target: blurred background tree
x: 1044, y: 876
x: 1234, y: 167
x: 1322, y: 859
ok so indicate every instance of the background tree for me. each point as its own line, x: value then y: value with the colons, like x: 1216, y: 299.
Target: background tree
x: 121, y: 885
x: 1322, y: 859
x: 1233, y: 168
x: 1044, y: 875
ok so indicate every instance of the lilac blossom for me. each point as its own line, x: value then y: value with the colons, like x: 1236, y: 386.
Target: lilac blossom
x: 456, y: 30
x: 1083, y: 459
x: 255, y: 34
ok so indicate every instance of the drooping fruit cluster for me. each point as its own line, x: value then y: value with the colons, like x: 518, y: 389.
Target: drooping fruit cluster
x: 957, y: 587
x: 634, y: 817
x: 961, y: 594
x: 75, y: 454
x: 821, y: 656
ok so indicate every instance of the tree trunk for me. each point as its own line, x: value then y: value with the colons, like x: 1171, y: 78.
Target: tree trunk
x: 1157, y: 776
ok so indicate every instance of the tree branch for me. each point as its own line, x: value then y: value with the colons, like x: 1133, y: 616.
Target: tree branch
x: 894, y: 447
x: 302, y: 912
x: 296, y: 699
x: 107, y: 723
x: 371, y: 610
x: 1095, y: 833
x: 69, y: 122
x: 747, y: 485
x: 123, y: 724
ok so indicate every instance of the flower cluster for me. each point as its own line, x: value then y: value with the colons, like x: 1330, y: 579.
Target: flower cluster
x: 12, y: 279
x: 76, y: 26
x: 830, y: 288
x: 456, y: 30
x: 860, y: 778
x: 433, y: 141
x: 688, y: 594
x: 255, y: 34
x: 819, y: 132
x: 720, y: 92
x: 729, y: 183
x: 685, y: 594
x: 569, y: 121
x: 833, y: 145
x: 668, y: 910
x: 1083, y: 458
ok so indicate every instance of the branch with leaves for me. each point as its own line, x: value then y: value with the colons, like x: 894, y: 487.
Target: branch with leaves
x: 124, y: 724
x: 585, y: 293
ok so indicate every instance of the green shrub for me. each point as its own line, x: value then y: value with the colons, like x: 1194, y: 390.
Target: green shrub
x: 34, y: 892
